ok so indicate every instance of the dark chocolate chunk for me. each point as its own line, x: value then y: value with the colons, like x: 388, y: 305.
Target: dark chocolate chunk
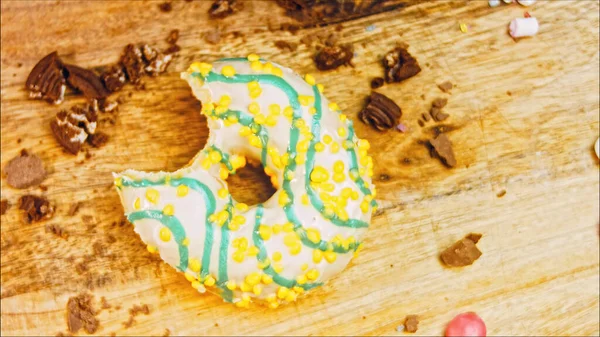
x: 165, y: 7
x: 222, y: 8
x: 36, y: 208
x: 72, y: 128
x: 445, y: 86
x: 114, y: 79
x: 380, y: 112
x: 333, y: 57
x: 173, y: 36
x: 85, y: 81
x: 377, y: 82
x: 443, y: 147
x: 98, y: 139
x: 463, y: 252
x: 399, y: 65
x: 24, y: 171
x: 132, y: 62
x: 46, y: 80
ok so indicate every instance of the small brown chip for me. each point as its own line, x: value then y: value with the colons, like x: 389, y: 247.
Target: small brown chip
x: 222, y: 8
x: 74, y: 208
x: 462, y: 253
x: 167, y: 333
x: 284, y: 45
x: 380, y: 112
x: 399, y: 65
x: 501, y: 194
x: 36, y: 208
x: 114, y: 79
x: 104, y: 303
x: 289, y: 27
x: 173, y: 36
x: 443, y: 147
x: 24, y: 171
x: 165, y: 7
x: 377, y: 82
x: 85, y: 81
x: 213, y: 36
x: 421, y: 123
x: 445, y: 86
x: 81, y: 313
x: 4, y: 205
x: 98, y: 139
x: 426, y: 117
x: 132, y: 62
x: 439, y: 103
x: 72, y: 128
x: 411, y: 323
x: 329, y: 58
x: 56, y: 230
x: 441, y: 116
x: 46, y: 80
x: 156, y: 62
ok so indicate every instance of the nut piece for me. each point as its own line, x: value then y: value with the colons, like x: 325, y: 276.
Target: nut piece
x: 132, y: 62
x: 114, y: 79
x: 156, y: 61
x: 399, y: 65
x: 36, y: 208
x: 381, y: 112
x: 72, y: 128
x: 46, y: 80
x: 24, y: 171
x: 331, y: 57
x: 85, y: 81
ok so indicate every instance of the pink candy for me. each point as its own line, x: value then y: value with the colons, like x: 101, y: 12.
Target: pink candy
x: 467, y: 324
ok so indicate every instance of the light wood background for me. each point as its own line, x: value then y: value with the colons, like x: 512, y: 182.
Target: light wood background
x: 539, y: 273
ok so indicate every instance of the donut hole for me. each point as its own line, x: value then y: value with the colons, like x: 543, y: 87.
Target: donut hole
x: 251, y: 185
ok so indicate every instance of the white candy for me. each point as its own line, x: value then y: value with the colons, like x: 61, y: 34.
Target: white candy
x: 597, y: 147
x: 494, y: 3
x: 526, y: 2
x: 523, y: 27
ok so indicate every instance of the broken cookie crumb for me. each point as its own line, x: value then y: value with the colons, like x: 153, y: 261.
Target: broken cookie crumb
x: 36, y: 208
x: 443, y: 148
x: 411, y: 323
x: 462, y: 253
x: 400, y: 65
x: 81, y: 313
x: 332, y: 57
x: 4, y: 205
x: 380, y: 112
x: 445, y: 86
x: 24, y: 171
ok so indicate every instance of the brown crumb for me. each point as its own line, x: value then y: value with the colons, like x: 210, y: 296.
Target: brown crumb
x: 165, y: 7
x: 56, y: 230
x: 400, y: 65
x: 132, y: 63
x: 509, y: 93
x: 462, y: 253
x: 36, y: 208
x: 98, y: 139
x: 377, y: 82
x: 81, y: 313
x: 501, y: 194
x: 173, y: 36
x: 46, y: 80
x: 4, y: 205
x: 43, y: 188
x: 134, y: 311
x: 223, y: 8
x: 24, y: 171
x: 74, y: 208
x: 380, y: 112
x: 421, y: 123
x: 443, y: 148
x: 167, y: 333
x: 284, y: 45
x: 156, y: 62
x: 114, y: 79
x: 86, y: 81
x: 411, y: 323
x: 445, y: 86
x: 332, y: 57
x: 426, y: 117
x: 104, y: 303
x: 213, y: 36
x: 439, y: 103
x: 111, y: 239
x: 19, y: 140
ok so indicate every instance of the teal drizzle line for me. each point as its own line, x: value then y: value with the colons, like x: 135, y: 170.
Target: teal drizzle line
x: 224, y: 158
x: 248, y: 120
x: 223, y: 252
x: 174, y: 226
x: 262, y: 256
x: 354, y: 166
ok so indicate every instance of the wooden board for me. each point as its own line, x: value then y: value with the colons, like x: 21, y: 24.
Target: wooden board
x: 539, y: 273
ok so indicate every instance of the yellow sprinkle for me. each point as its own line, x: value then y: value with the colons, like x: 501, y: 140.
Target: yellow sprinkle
x: 253, y: 278
x: 169, y: 209
x: 319, y: 147
x: 354, y: 195
x: 255, y: 141
x: 339, y: 177
x: 301, y: 279
x: 283, y: 198
x: 136, y: 203
x: 265, y: 232
x: 152, y: 195
x: 312, y: 274
x: 241, y: 207
x: 273, y: 305
x: 313, y: 235
x: 319, y: 174
x: 277, y: 229
x: 298, y: 290
x: 228, y: 71
x: 189, y: 277
x: 252, y: 251
x: 195, y: 284
x: 245, y: 131
x: 243, y: 244
x: 253, y: 57
x: 277, y: 71
x: 290, y: 239
x: 295, y: 249
x: 222, y: 193
x: 288, y: 111
x: 282, y: 292
x: 194, y: 265
x: 260, y: 118
x: 317, y: 256
x: 245, y: 287
x: 201, y: 67
x: 225, y: 100
x: 255, y: 93
x: 268, y: 67
x: 239, y: 161
x: 253, y: 108
x: 231, y: 285
x: 342, y: 117
x: 335, y: 147
x: 327, y: 139
x: 320, y: 87
x: 264, y: 264
x: 364, y: 206
x: 334, y: 107
x: 330, y: 256
x: 208, y: 107
x: 241, y: 304
x: 256, y: 65
x: 206, y: 163
x: 210, y: 281
x: 267, y: 279
x: 233, y: 226
x: 239, y: 256
x: 185, y: 242
x: 341, y: 131
x: 271, y: 120
x: 327, y: 187
x: 257, y: 289
x: 304, y: 266
x: 119, y: 182
x: 305, y: 100
x: 224, y: 173
x: 300, y: 158
x: 164, y: 234
x: 309, y: 79
x: 151, y: 249
x: 312, y: 110
x: 277, y: 256
x: 342, y: 214
x: 239, y: 219
x: 278, y: 268
x: 305, y: 200
x: 274, y: 109
x: 288, y: 227
x: 463, y: 27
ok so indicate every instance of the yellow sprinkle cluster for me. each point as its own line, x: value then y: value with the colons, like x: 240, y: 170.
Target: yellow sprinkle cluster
x: 201, y: 67
x: 242, y: 249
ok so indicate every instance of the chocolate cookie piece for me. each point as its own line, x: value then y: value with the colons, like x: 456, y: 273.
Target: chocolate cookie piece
x: 72, y: 128
x: 36, y: 208
x: 46, y: 80
x: 24, y: 171
x: 156, y: 62
x: 380, y: 112
x: 332, y: 57
x: 114, y: 79
x: 132, y: 62
x: 85, y: 81
x: 443, y: 147
x: 462, y: 253
x: 399, y: 65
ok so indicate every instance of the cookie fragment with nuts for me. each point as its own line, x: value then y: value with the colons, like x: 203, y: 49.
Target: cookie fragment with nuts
x: 132, y: 63
x: 46, y: 80
x: 36, y: 208
x: 24, y: 171
x: 380, y: 112
x: 72, y: 128
x: 332, y: 57
x: 400, y: 65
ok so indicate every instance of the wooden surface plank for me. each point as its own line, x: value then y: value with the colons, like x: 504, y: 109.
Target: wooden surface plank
x: 539, y: 272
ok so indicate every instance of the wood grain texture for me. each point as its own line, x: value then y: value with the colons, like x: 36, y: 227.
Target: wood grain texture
x: 539, y: 273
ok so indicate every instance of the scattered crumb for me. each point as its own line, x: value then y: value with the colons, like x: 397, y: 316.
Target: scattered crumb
x: 165, y: 7
x: 4, y: 205
x: 104, y: 303
x: 509, y: 93
x: 411, y: 323
x: 98, y: 139
x: 56, y: 230
x: 380, y: 112
x: 377, y: 82
x: 213, y: 36
x: 19, y: 140
x: 24, y: 171
x: 284, y: 45
x: 400, y: 65
x: 223, y: 8
x: 462, y: 253
x: 36, y: 208
x: 74, y: 208
x: 445, y: 86
x: 80, y: 313
x: 167, y: 333
x: 501, y: 194
x: 332, y: 57
x: 443, y: 148
x: 134, y: 311
x: 72, y: 128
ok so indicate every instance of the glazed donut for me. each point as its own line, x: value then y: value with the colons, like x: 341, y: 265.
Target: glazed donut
x: 304, y: 234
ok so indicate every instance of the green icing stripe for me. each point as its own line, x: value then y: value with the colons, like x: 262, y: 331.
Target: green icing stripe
x: 223, y: 252
x: 263, y: 255
x: 354, y: 166
x: 247, y: 120
x: 174, y: 226
x: 224, y: 158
